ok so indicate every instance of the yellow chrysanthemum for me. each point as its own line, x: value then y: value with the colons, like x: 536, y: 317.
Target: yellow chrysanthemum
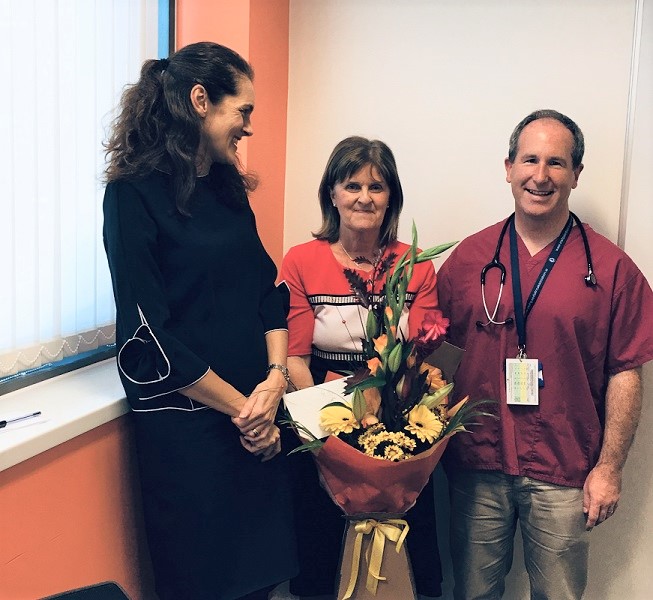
x: 367, y: 441
x: 338, y: 419
x: 394, y: 453
x: 387, y: 445
x: 424, y: 424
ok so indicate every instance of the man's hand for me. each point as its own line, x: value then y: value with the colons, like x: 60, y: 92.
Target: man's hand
x: 623, y: 405
x: 601, y: 494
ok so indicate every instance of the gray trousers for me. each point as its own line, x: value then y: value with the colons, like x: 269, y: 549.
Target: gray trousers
x: 485, y: 509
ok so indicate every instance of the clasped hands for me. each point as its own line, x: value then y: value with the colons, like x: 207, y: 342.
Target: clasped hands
x: 259, y: 434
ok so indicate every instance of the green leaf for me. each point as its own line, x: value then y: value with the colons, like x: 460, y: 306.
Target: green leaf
x: 436, y: 398
x: 391, y: 282
x: 390, y: 346
x: 341, y: 404
x: 391, y: 300
x: 465, y: 415
x: 413, y: 250
x: 307, y: 447
x: 371, y: 327
x: 407, y: 348
x: 359, y: 406
x: 289, y: 421
x: 394, y: 360
x: 377, y: 381
x: 431, y: 253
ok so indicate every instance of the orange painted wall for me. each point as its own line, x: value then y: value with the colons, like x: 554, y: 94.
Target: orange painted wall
x: 258, y: 30
x: 71, y: 517
x: 268, y: 47
x: 223, y: 21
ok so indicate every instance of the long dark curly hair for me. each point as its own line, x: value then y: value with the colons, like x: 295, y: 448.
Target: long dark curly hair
x: 158, y: 128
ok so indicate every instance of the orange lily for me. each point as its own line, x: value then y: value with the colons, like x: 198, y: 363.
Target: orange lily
x: 374, y: 364
x: 380, y: 343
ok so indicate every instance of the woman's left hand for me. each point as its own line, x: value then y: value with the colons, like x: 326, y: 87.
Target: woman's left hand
x: 257, y: 415
x: 266, y: 446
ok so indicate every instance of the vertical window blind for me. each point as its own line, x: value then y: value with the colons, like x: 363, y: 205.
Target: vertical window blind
x: 63, y: 68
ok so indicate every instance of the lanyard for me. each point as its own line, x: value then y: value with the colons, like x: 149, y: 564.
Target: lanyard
x: 520, y: 314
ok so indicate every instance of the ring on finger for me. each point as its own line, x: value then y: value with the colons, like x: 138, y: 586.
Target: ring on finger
x: 255, y: 432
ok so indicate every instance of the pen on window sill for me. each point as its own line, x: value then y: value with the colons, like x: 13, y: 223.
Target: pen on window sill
x: 10, y: 421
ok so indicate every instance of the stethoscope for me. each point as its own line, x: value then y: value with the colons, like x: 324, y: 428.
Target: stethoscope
x: 495, y: 263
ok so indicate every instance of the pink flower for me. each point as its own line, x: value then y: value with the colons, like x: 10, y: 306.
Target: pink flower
x: 433, y: 326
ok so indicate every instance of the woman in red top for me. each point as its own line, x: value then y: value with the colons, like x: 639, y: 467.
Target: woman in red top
x: 361, y: 199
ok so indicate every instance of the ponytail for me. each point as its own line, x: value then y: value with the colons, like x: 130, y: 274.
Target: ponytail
x: 137, y: 143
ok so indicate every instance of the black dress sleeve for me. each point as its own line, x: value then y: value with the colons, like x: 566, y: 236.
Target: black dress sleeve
x: 272, y: 307
x: 152, y: 361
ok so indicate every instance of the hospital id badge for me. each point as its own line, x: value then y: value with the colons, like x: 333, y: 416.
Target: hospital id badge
x: 522, y: 381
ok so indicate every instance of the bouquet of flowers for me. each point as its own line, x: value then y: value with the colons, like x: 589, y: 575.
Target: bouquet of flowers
x: 388, y: 428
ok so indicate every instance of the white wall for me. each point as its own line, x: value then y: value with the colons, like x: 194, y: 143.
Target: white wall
x: 627, y: 543
x: 443, y: 82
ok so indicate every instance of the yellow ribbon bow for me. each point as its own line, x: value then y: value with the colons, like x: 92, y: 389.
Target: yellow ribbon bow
x: 393, y: 529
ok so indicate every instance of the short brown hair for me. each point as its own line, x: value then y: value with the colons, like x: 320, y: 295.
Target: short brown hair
x: 577, y: 150
x: 348, y: 157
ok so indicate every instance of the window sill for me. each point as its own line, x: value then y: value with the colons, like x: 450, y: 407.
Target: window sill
x: 70, y: 404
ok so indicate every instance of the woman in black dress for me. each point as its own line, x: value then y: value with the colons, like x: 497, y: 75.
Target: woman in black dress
x: 201, y: 329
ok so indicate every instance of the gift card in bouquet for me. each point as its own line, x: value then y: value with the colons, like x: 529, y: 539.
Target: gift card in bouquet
x: 447, y: 358
x: 304, y: 405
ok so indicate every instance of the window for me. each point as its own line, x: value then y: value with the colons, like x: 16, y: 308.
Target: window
x: 64, y: 66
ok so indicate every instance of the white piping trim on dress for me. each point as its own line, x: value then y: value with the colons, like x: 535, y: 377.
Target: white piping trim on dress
x: 145, y: 324
x: 176, y: 390
x: 143, y: 410
x: 278, y: 329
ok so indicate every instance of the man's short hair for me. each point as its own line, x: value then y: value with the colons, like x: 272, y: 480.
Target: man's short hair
x: 577, y: 150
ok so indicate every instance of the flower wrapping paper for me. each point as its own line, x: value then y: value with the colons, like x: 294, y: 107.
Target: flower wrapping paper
x: 364, y: 487
x: 358, y: 483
